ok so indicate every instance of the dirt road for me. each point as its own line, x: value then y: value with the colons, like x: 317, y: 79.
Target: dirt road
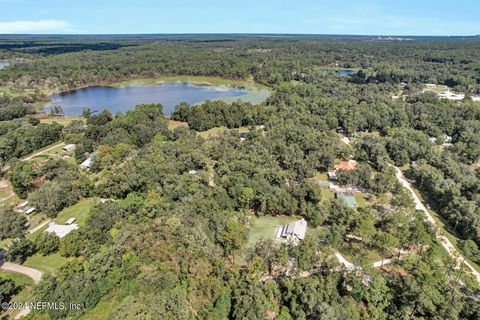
x: 447, y: 244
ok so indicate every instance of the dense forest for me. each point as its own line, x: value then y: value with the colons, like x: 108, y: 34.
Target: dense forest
x: 173, y: 238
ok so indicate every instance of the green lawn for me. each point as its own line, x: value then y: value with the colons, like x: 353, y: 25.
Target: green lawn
x: 45, y: 263
x: 19, y: 279
x: 361, y: 200
x: 327, y: 194
x: 262, y: 228
x: 80, y: 211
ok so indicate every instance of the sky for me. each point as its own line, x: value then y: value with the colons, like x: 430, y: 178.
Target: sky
x: 361, y: 17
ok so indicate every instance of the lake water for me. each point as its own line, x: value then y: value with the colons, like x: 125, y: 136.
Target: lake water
x: 345, y: 72
x: 125, y: 98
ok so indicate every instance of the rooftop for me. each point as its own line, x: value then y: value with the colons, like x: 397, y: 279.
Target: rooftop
x: 61, y: 230
x: 346, y: 165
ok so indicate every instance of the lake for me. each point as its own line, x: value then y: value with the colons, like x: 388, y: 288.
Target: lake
x: 122, y: 99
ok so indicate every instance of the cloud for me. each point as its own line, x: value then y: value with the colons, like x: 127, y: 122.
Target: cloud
x: 25, y: 26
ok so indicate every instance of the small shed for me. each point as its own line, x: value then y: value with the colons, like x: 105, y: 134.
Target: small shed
x: 71, y: 220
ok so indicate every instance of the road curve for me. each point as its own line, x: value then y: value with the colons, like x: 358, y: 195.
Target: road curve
x: 447, y: 244
x: 34, y: 274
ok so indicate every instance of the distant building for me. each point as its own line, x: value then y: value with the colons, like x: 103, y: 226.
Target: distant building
x: 294, y: 231
x: 347, y: 198
x: 61, y: 230
x: 346, y: 165
x: 68, y: 147
x: 70, y: 221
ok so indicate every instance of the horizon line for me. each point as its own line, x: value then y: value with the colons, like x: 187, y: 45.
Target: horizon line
x: 239, y: 34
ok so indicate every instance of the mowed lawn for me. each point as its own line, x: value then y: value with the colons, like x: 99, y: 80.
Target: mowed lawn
x: 262, y: 228
x: 45, y: 263
x: 80, y: 211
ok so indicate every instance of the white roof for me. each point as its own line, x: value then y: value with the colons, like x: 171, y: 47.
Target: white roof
x: 296, y: 228
x: 71, y: 220
x: 69, y: 147
x: 61, y: 230
x: 30, y: 210
x: 87, y: 163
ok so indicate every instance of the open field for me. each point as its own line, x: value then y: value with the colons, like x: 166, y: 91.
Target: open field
x: 264, y: 228
x: 80, y: 211
x: 60, y: 120
x: 197, y: 80
x: 45, y: 263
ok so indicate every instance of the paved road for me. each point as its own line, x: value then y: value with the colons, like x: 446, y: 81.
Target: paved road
x: 447, y: 244
x: 34, y: 274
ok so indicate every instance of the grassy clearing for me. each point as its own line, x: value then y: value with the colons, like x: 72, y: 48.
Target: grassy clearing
x: 19, y: 279
x: 45, y: 263
x: 358, y: 252
x: 7, y: 196
x: 320, y: 177
x: 327, y: 195
x: 261, y: 228
x: 198, y: 80
x: 361, y: 199
x: 172, y: 124
x: 61, y: 120
x: 80, y: 211
x: 264, y: 228
x: 214, y: 132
